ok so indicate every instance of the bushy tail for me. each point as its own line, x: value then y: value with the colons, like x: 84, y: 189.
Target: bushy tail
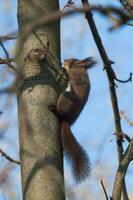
x: 75, y: 153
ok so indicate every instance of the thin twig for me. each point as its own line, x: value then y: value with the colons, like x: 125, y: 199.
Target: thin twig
x: 10, y: 36
x: 8, y: 63
x: 126, y: 117
x: 9, y: 90
x: 4, y: 49
x: 69, y: 4
x: 125, y: 81
x: 116, y: 21
x: 126, y: 137
x: 47, y: 49
x: 51, y: 17
x: 9, y: 158
x: 127, y: 6
x: 4, y: 172
x: 104, y: 190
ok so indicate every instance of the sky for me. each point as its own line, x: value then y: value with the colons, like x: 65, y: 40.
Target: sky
x: 95, y: 127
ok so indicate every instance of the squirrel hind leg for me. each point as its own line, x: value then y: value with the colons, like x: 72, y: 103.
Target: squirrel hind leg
x: 75, y: 154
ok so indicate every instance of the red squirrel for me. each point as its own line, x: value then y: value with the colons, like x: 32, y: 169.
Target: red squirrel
x: 68, y: 108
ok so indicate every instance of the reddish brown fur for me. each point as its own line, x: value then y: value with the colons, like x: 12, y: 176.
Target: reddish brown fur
x: 75, y: 153
x: 69, y: 107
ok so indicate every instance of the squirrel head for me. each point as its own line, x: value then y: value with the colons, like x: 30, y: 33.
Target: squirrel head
x: 72, y: 63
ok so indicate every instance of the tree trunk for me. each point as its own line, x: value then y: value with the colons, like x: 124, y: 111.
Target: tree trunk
x: 39, y: 131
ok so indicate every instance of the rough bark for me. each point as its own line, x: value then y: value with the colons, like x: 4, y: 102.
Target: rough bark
x: 39, y: 130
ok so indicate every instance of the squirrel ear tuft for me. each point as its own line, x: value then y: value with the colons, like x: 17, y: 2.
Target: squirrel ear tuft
x: 89, y: 62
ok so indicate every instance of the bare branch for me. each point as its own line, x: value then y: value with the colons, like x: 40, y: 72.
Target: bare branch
x: 127, y: 6
x: 9, y: 158
x: 120, y: 175
x: 116, y: 23
x: 111, y: 76
x: 126, y: 137
x: 4, y: 49
x: 126, y: 117
x: 10, y: 36
x: 8, y: 90
x: 69, y: 4
x: 45, y: 19
x: 8, y: 63
x: 125, y: 81
x: 104, y: 190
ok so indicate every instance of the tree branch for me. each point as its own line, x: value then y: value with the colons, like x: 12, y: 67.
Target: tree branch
x: 9, y: 158
x: 48, y: 18
x: 120, y: 175
x: 4, y: 49
x: 127, y: 6
x: 111, y: 76
x: 106, y: 195
x: 9, y: 36
x: 8, y: 63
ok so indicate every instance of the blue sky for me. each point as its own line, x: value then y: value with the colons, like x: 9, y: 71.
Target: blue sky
x: 95, y: 127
